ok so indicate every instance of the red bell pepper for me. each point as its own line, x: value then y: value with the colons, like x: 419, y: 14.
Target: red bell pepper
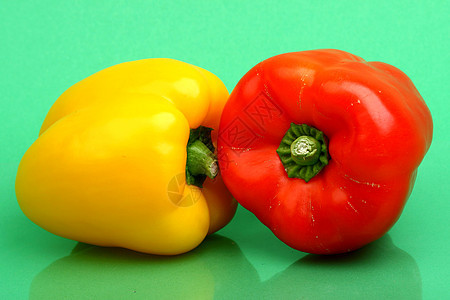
x: 323, y: 147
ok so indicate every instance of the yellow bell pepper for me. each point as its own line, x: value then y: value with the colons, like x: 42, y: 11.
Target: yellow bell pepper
x: 122, y: 158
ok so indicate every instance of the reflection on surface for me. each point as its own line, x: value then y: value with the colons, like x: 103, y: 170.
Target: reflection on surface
x: 217, y: 269
x: 378, y: 271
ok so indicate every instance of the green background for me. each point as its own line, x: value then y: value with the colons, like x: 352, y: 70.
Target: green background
x: 46, y: 46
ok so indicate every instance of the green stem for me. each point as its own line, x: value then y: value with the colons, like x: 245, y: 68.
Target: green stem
x: 303, y: 151
x: 201, y: 161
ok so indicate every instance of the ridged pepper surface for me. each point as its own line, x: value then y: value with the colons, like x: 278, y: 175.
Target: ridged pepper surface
x: 323, y: 147
x: 122, y: 157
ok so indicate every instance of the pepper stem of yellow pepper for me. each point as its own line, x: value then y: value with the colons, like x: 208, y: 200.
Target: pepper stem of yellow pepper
x: 201, y: 161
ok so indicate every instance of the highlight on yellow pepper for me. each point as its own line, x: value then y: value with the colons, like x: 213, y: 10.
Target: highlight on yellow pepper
x: 125, y: 158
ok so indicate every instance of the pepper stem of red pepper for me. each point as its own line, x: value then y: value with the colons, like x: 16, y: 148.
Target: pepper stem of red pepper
x: 201, y: 161
x: 303, y: 151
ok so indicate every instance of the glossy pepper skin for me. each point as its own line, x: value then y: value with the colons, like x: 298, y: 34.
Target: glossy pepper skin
x: 109, y: 166
x: 373, y: 127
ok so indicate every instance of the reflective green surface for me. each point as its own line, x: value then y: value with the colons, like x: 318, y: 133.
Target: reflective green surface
x: 46, y: 46
x: 219, y: 269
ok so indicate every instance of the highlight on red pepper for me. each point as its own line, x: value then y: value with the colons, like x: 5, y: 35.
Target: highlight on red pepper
x: 323, y: 147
